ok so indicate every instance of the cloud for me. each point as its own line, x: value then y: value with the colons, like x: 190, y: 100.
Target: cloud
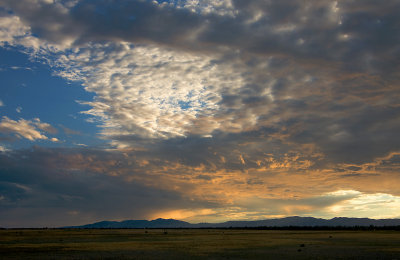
x: 377, y: 205
x: 14, y: 32
x: 29, y: 181
x: 3, y: 149
x: 314, y: 72
x: 115, y: 185
x: 167, y: 90
x: 284, y: 101
x: 246, y: 69
x: 11, y: 27
x: 324, y: 30
x: 25, y: 128
x: 68, y: 131
x: 45, y: 126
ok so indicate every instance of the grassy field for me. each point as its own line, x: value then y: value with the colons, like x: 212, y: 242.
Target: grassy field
x: 198, y: 244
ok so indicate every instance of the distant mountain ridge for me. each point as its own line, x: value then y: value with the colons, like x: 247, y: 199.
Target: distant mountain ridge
x: 157, y: 223
x: 279, y: 222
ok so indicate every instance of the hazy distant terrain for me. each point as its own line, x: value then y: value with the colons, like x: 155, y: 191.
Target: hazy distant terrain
x: 197, y: 244
x: 282, y: 222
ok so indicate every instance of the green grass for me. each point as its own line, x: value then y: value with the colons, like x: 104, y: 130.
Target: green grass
x: 198, y: 244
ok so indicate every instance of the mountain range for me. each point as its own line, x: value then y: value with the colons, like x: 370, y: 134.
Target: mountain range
x: 280, y: 222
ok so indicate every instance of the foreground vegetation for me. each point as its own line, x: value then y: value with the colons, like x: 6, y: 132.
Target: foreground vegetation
x: 198, y: 244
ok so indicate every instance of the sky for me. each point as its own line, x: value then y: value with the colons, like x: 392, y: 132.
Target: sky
x: 198, y: 110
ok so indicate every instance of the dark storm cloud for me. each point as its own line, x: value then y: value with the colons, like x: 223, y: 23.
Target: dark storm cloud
x: 106, y: 20
x: 71, y: 186
x: 312, y: 29
x: 231, y: 152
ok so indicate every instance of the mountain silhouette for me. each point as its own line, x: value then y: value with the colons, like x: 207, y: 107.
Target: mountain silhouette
x: 279, y: 222
x: 157, y: 223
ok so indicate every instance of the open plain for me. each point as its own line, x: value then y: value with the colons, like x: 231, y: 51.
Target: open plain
x: 197, y: 244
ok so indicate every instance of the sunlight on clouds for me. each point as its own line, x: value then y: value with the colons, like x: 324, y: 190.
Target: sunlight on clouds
x: 377, y: 205
x: 26, y: 128
x: 3, y: 149
x: 219, y: 7
x: 150, y: 91
x: 291, y: 210
x: 349, y: 203
x: 183, y: 214
x: 17, y: 32
x: 11, y: 27
x: 44, y: 126
x: 211, y: 191
x: 340, y: 193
